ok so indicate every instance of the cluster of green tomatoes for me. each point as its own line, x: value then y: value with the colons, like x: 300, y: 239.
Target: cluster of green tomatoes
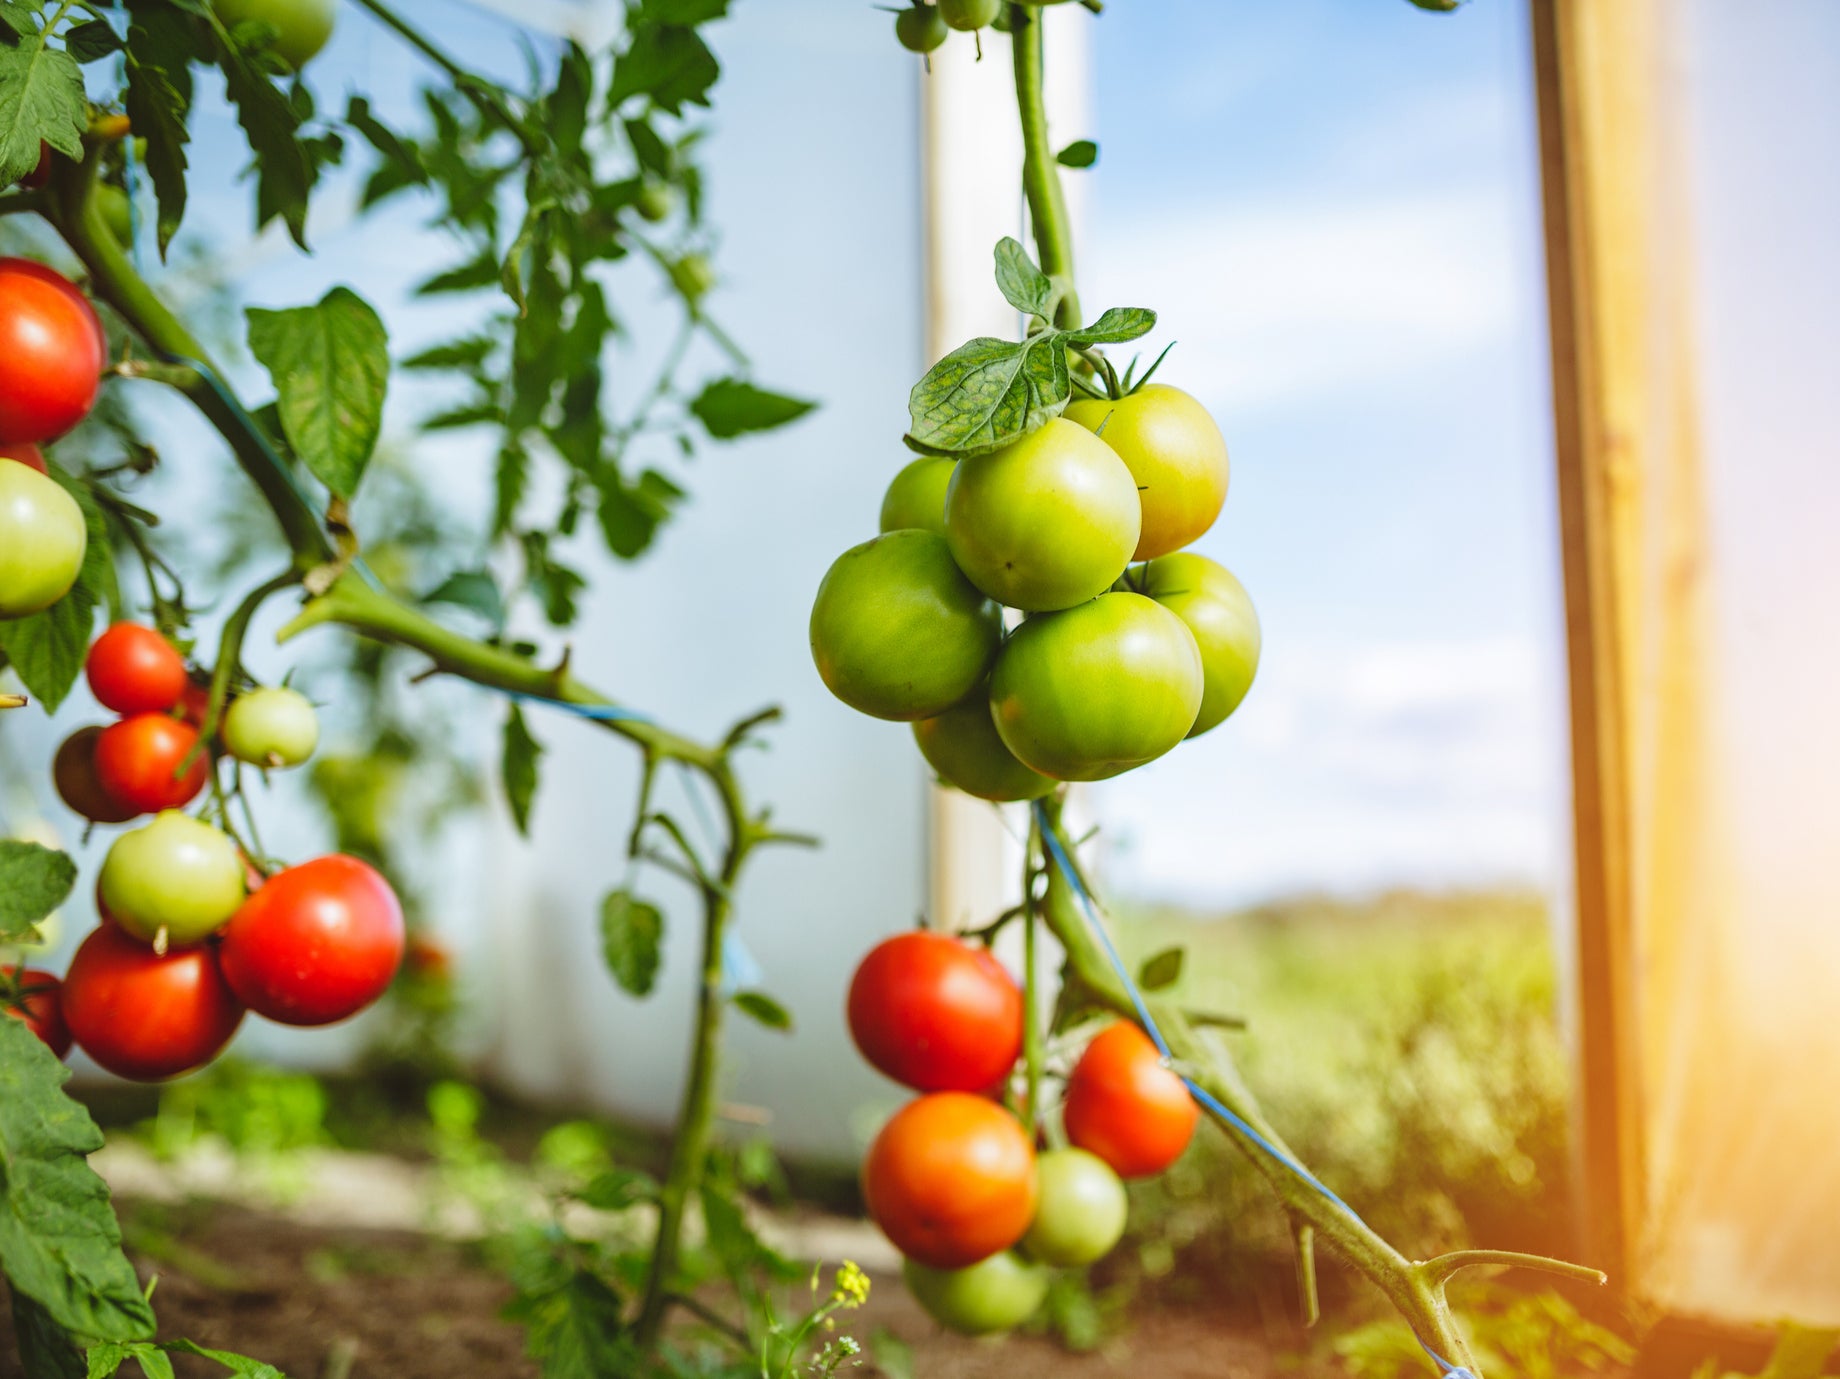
x: 924, y: 25
x: 1118, y: 643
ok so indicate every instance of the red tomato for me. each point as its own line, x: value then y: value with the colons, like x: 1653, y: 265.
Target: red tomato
x: 138, y: 760
x: 73, y: 771
x: 144, y: 1016
x: 317, y: 943
x: 52, y: 352
x: 195, y: 703
x: 41, y: 174
x: 27, y: 455
x: 1126, y: 1107
x: 951, y: 1179
x: 936, y: 1013
x: 41, y: 1008
x: 133, y: 669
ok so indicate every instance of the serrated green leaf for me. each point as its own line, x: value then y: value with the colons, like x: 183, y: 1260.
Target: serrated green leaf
x: 401, y: 156
x: 518, y: 766
x: 46, y: 1350
x: 473, y: 589
x: 619, y: 1189
x: 159, y: 96
x: 34, y: 881
x: 41, y: 101
x: 631, y: 513
x: 107, y: 1359
x: 632, y: 934
x: 1024, y: 286
x: 478, y: 273
x: 60, y: 1244
x: 763, y: 1009
x: 91, y: 41
x: 47, y: 649
x: 651, y: 152
x: 730, y: 407
x: 1115, y: 326
x: 468, y: 352
x: 237, y: 1364
x: 670, y: 64
x: 331, y: 367
x: 988, y: 393
x: 1162, y: 970
x: 1081, y: 153
x: 285, y: 174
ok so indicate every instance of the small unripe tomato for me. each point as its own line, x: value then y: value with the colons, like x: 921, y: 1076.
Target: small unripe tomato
x: 139, y: 761
x: 271, y: 727
x: 1126, y: 1107
x: 963, y: 746
x: 52, y: 353
x: 920, y: 29
x: 40, y: 1008
x: 917, y: 496
x: 302, y: 27
x: 693, y: 276
x: 133, y: 669
x: 656, y: 201
x: 73, y: 771
x: 42, y: 537
x: 951, y: 1179
x: 144, y: 1015
x: 1082, y: 1210
x: 966, y: 15
x: 176, y: 877
x: 936, y: 1013
x: 316, y: 944
x: 995, y: 1294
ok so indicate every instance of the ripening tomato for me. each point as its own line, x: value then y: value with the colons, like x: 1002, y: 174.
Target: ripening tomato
x: 138, y: 761
x: 1218, y: 611
x: 301, y: 27
x: 919, y: 28
x: 42, y: 538
x: 1125, y: 1106
x: 966, y: 15
x: 52, y: 353
x: 1176, y: 456
x: 145, y: 1016
x: 995, y: 1294
x: 274, y: 728
x: 917, y: 496
x: 73, y: 771
x: 962, y: 745
x: 1082, y: 1210
x: 951, y: 1179
x: 40, y: 1008
x: 897, y: 632
x: 131, y: 669
x: 936, y: 1013
x: 317, y: 943
x: 176, y: 876
x: 28, y: 455
x: 1097, y: 690
x: 1046, y: 522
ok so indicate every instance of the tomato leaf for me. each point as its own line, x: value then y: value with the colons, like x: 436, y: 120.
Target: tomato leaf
x: 284, y: 173
x: 34, y: 881
x: 91, y: 41
x: 1161, y: 970
x: 519, y: 768
x: 1081, y: 153
x: 575, y: 1327
x: 988, y: 393
x: 475, y: 590
x: 762, y: 1008
x: 60, y: 1244
x: 45, y: 1348
x: 631, y: 513
x: 619, y: 1189
x: 41, y: 100
x: 684, y: 11
x: 331, y: 367
x: 1024, y: 286
x: 47, y: 649
x: 730, y: 407
x: 670, y: 63
x: 1115, y: 326
x: 159, y: 96
x: 632, y: 933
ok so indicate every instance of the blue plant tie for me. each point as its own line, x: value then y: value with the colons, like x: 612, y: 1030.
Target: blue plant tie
x: 741, y: 971
x: 1201, y: 1094
x: 600, y: 713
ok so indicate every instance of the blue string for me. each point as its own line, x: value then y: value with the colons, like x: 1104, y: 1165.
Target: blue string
x: 600, y: 713
x: 1206, y: 1098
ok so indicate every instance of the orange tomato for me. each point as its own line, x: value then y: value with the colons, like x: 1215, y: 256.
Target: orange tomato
x: 1175, y: 452
x: 951, y: 1180
x: 1126, y: 1107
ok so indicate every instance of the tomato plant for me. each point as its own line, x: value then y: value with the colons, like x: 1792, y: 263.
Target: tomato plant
x: 271, y: 727
x: 151, y: 762
x: 174, y: 880
x: 51, y: 353
x: 42, y: 541
x: 936, y: 1013
x: 951, y: 1179
x: 1125, y: 1107
x: 133, y: 669
x: 145, y: 1015
x: 316, y: 943
x: 36, y: 999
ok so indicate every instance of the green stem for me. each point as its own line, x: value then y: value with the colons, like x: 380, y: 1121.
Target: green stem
x: 230, y: 647
x: 1041, y: 179
x: 1031, y: 1009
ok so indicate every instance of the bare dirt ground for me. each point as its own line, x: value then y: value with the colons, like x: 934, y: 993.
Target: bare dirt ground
x: 327, y: 1301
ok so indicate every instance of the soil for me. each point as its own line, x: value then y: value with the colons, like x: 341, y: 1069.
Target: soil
x: 322, y: 1302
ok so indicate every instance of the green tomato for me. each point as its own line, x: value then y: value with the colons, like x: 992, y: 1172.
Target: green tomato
x: 995, y: 1294
x: 962, y: 745
x: 920, y: 29
x: 302, y: 27
x: 1044, y: 523
x: 177, y: 875
x: 1001, y: 22
x: 917, y: 497
x: 966, y: 15
x: 897, y: 632
x: 1176, y: 457
x: 117, y: 214
x: 1217, y: 610
x: 42, y: 541
x: 656, y: 201
x: 1081, y: 1210
x: 1097, y: 690
x: 271, y: 727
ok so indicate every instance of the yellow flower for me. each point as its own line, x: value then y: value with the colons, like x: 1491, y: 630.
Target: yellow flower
x: 852, y: 1285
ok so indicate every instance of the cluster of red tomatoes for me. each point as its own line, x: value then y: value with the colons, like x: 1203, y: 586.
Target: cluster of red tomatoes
x: 193, y: 934
x: 52, y: 353
x: 1125, y: 644
x: 954, y: 1179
